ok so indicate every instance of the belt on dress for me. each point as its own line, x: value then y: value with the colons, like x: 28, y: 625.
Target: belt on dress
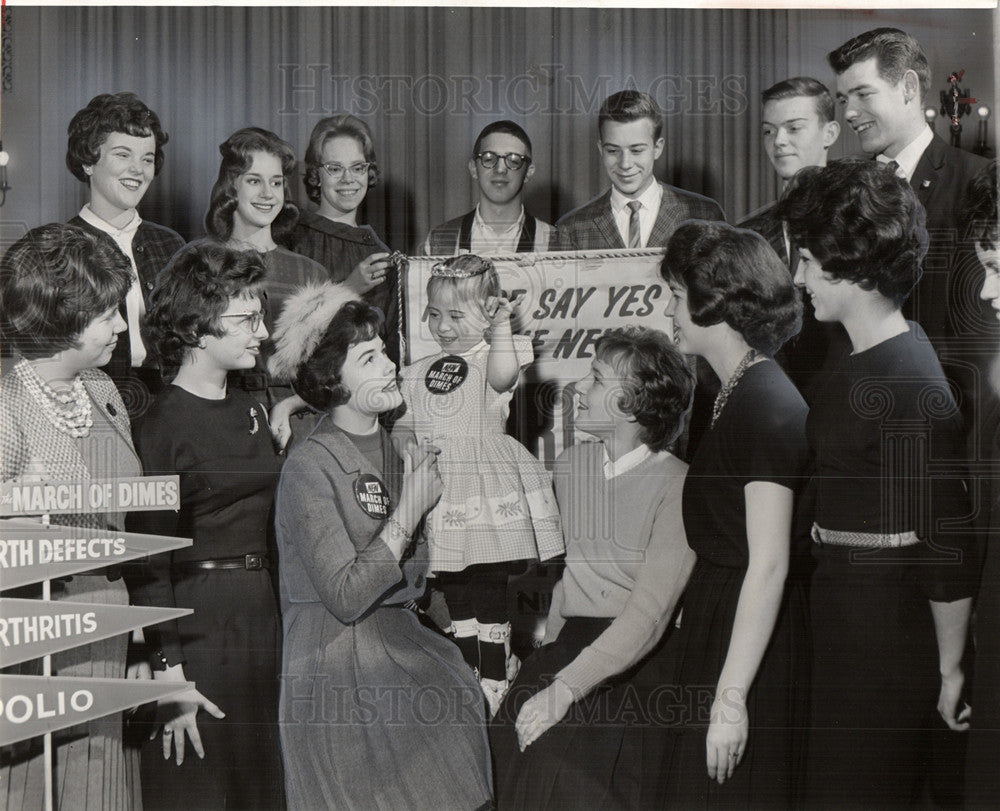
x: 252, y: 562
x: 868, y: 540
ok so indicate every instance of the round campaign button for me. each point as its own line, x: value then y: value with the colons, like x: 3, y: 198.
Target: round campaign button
x: 372, y: 495
x: 446, y: 374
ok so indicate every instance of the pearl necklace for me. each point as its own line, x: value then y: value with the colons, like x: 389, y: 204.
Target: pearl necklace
x: 727, y: 389
x: 70, y: 412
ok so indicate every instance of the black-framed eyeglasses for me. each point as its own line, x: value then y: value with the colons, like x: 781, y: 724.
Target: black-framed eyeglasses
x: 512, y: 160
x: 335, y: 171
x: 249, y: 321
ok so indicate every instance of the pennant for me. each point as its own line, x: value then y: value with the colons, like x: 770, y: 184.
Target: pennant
x: 126, y: 494
x: 33, y: 705
x: 30, y: 629
x: 31, y: 552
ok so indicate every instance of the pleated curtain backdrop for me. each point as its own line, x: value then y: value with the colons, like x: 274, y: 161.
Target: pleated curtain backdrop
x: 426, y: 80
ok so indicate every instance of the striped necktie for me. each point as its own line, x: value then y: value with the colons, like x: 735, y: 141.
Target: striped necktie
x: 634, y: 236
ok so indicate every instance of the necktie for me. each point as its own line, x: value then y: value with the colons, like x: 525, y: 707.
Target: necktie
x: 634, y: 236
x: 895, y: 168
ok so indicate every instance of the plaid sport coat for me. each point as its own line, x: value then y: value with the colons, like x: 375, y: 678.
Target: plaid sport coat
x: 592, y: 225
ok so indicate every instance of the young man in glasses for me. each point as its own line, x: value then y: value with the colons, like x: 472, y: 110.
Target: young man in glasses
x: 637, y: 211
x: 501, y: 165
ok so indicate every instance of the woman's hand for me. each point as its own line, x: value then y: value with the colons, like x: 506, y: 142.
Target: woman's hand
x: 951, y: 693
x: 542, y: 711
x: 422, y: 485
x: 180, y: 713
x: 280, y: 420
x: 370, y: 272
x: 728, y: 732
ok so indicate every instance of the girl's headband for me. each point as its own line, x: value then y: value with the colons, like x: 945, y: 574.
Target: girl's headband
x: 443, y: 270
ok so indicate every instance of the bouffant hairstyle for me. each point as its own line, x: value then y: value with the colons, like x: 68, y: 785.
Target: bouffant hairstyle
x: 895, y: 53
x: 318, y: 378
x: 105, y: 114
x: 732, y: 275
x: 981, y: 211
x: 237, y: 158
x: 54, y: 281
x: 332, y: 127
x: 861, y: 222
x: 505, y: 127
x: 807, y: 87
x: 473, y: 289
x: 657, y: 383
x: 193, y: 290
x: 630, y: 105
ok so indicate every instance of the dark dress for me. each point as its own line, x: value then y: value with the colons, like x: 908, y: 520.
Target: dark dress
x: 231, y: 645
x: 982, y: 774
x: 759, y: 436
x: 886, y: 437
x: 339, y: 247
x: 377, y: 711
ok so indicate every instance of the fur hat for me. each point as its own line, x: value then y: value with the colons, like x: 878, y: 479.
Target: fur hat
x: 304, y: 318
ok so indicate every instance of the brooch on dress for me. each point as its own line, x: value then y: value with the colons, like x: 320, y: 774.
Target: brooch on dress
x: 254, y: 425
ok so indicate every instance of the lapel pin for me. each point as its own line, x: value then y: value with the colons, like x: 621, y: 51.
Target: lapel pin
x: 111, y: 409
x: 254, y: 425
x: 926, y: 184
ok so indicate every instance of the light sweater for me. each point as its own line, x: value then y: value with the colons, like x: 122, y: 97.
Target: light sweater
x: 626, y: 557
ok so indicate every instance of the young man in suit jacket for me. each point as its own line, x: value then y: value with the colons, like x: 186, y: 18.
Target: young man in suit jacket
x: 500, y: 165
x: 637, y: 211
x: 116, y: 147
x: 799, y: 127
x: 883, y: 78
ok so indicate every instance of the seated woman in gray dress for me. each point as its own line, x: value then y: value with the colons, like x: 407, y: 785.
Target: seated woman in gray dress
x: 568, y: 735
x: 377, y: 711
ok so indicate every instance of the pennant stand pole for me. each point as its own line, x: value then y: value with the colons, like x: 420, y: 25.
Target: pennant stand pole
x: 47, y: 671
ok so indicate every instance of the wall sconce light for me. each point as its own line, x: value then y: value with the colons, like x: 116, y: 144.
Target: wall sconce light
x: 4, y: 185
x: 982, y: 135
x: 930, y: 116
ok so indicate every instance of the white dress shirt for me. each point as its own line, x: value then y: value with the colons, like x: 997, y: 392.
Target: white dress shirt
x: 909, y: 156
x: 650, y: 200
x: 135, y: 307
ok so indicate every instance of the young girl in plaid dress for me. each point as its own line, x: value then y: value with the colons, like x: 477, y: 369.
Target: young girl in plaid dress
x: 498, y: 507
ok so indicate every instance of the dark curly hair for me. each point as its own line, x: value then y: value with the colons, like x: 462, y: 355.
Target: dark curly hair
x: 105, y: 114
x: 732, y: 275
x: 657, y: 382
x: 981, y: 211
x: 237, y: 158
x: 318, y: 378
x: 861, y: 222
x: 193, y: 290
x: 54, y: 281
x: 338, y: 125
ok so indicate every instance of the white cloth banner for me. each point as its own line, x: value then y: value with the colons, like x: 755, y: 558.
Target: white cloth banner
x: 570, y: 300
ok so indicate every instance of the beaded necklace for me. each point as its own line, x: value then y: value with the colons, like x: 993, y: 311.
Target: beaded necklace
x: 69, y: 412
x: 727, y: 389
